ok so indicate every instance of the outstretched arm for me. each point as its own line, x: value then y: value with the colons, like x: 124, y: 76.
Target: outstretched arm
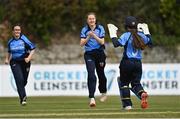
x: 143, y: 27
x: 113, y: 34
x: 115, y: 42
x: 149, y: 44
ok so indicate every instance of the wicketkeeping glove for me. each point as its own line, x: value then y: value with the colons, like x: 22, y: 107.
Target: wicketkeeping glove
x: 143, y: 27
x: 112, y: 30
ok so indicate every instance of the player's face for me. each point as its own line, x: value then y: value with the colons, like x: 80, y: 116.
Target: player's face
x: 91, y: 20
x: 17, y: 31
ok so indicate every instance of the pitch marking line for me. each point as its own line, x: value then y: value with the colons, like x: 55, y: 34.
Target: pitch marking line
x: 75, y: 110
x: 82, y: 114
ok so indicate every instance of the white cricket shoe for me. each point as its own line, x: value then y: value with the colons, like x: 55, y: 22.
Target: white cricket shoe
x: 92, y: 102
x: 127, y: 108
x: 103, y: 97
x: 23, y: 103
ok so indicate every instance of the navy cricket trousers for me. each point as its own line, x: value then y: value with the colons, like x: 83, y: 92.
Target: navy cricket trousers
x: 20, y: 70
x: 96, y: 60
x: 130, y: 73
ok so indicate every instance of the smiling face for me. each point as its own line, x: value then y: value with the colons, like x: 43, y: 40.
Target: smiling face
x: 91, y: 20
x: 17, y: 31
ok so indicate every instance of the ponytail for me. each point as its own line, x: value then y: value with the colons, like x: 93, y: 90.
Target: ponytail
x: 138, y: 42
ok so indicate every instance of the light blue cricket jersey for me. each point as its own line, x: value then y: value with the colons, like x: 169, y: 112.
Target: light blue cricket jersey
x: 129, y: 51
x: 19, y: 48
x: 92, y: 43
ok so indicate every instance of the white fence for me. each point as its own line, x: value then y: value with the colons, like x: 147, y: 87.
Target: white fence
x: 56, y: 80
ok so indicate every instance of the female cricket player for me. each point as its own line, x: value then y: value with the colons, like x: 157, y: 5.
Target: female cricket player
x: 133, y: 41
x: 92, y: 38
x: 20, y: 52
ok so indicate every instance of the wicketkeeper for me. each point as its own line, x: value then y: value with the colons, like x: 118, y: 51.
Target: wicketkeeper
x: 134, y: 40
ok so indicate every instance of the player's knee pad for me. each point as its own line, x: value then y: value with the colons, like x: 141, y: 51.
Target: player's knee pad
x: 125, y: 92
x: 125, y: 96
x: 123, y: 89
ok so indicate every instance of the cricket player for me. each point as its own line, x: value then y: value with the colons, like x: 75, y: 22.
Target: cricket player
x: 20, y: 52
x: 134, y: 41
x: 92, y: 38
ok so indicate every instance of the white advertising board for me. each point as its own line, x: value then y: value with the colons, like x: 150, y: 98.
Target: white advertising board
x: 56, y: 80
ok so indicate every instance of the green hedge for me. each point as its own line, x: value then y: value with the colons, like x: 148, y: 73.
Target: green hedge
x: 44, y: 19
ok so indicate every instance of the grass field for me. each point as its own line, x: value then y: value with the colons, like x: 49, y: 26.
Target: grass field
x: 77, y: 107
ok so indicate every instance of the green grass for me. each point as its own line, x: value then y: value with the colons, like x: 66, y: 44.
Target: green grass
x: 77, y: 107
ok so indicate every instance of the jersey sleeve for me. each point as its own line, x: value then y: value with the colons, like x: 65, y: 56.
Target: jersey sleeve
x: 145, y: 38
x: 29, y: 44
x: 8, y: 45
x: 123, y: 38
x: 83, y: 33
x: 102, y: 32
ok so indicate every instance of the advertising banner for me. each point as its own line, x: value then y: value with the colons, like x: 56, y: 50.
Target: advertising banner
x: 161, y: 79
x: 71, y: 80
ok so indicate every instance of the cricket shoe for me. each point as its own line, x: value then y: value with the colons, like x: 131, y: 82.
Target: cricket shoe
x: 23, y: 102
x: 127, y: 108
x: 92, y: 102
x: 144, y: 102
x: 103, y: 97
